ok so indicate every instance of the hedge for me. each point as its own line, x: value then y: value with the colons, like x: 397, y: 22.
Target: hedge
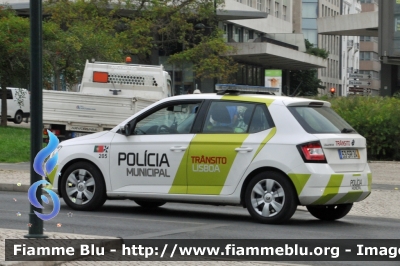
x: 377, y: 119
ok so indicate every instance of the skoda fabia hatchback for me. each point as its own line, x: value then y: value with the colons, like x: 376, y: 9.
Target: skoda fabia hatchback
x: 267, y: 153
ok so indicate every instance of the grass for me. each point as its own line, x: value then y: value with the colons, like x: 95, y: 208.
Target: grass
x: 15, y: 145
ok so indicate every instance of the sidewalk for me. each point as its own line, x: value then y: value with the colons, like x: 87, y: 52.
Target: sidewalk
x: 385, y: 192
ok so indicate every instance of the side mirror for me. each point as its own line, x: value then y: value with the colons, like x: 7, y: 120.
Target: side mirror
x: 125, y: 130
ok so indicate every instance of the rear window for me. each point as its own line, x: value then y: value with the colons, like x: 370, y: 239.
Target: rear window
x: 319, y: 120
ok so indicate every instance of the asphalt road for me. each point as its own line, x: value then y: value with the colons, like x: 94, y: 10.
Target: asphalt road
x: 123, y: 218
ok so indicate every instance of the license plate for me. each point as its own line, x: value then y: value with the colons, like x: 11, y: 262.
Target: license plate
x: 349, y: 154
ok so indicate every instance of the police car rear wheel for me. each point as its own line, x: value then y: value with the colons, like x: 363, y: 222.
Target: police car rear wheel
x: 270, y: 198
x: 330, y: 212
x: 149, y: 204
x: 82, y: 187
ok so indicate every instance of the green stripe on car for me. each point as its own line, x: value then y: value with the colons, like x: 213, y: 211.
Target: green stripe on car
x: 299, y: 181
x: 331, y: 190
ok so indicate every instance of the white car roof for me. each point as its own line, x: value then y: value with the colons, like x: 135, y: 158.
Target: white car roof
x: 279, y: 100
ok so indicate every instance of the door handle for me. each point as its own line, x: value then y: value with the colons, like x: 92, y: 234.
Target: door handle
x: 244, y: 149
x: 178, y: 148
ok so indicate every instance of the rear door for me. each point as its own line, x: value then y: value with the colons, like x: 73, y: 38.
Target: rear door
x: 229, y: 140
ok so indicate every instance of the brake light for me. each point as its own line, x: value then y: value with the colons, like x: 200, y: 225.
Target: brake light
x: 101, y: 77
x: 312, y: 152
x: 54, y: 131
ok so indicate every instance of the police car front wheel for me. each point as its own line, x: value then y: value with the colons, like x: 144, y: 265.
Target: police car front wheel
x: 270, y: 198
x: 82, y: 187
x: 330, y: 212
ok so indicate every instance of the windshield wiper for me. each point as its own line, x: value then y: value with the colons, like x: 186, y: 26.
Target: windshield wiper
x: 348, y: 130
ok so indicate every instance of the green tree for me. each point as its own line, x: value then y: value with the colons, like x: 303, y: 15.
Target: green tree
x: 14, y: 55
x: 308, y: 79
x: 76, y: 32
x: 104, y: 30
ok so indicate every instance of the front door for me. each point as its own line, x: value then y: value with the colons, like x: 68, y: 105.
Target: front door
x: 153, y: 158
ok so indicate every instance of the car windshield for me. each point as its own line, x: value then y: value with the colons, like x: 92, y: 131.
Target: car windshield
x: 317, y: 120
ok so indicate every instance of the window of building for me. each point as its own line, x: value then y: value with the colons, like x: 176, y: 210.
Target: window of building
x: 284, y: 12
x: 344, y: 59
x: 268, y: 6
x: 309, y: 10
x: 311, y: 35
x: 259, y: 5
x: 250, y: 3
x: 225, y: 36
x: 246, y: 35
x: 374, y: 74
x: 369, y: 56
x: 236, y: 33
x: 277, y: 9
x: 368, y: 39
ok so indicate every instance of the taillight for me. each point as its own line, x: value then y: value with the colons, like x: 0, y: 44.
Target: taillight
x: 101, y: 77
x: 54, y: 131
x: 312, y: 152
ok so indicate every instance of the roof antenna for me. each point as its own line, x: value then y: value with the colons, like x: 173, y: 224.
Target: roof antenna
x: 294, y: 93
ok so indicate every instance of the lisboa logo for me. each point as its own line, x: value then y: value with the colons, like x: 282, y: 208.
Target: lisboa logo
x: 44, y: 163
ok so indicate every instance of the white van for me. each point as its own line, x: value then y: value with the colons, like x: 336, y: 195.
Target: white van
x: 18, y: 104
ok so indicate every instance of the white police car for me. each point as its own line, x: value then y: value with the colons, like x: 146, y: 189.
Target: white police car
x: 268, y: 153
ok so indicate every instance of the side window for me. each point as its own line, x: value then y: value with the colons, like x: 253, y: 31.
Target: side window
x: 9, y: 95
x: 173, y: 119
x: 228, y: 117
x: 261, y: 120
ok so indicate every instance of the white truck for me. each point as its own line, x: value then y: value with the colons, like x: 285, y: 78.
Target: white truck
x: 108, y: 93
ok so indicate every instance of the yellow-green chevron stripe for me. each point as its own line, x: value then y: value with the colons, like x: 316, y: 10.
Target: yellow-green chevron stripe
x: 299, y: 181
x: 248, y: 99
x: 331, y: 190
x: 267, y: 138
x: 212, y: 145
x: 369, y: 181
x: 52, y: 175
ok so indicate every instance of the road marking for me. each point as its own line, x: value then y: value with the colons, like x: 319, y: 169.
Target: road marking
x: 176, y: 231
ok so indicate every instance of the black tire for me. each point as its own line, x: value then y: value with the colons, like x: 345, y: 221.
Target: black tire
x: 260, y: 196
x: 149, y: 204
x: 329, y: 212
x: 83, y: 187
x: 18, y: 117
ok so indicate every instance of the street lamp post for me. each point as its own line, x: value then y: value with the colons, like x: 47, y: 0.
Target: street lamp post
x: 35, y: 223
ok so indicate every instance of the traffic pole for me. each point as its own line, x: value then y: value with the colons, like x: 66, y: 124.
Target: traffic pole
x: 35, y: 225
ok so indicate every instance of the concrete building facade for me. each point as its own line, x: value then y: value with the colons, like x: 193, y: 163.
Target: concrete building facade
x: 369, y: 52
x: 305, y: 20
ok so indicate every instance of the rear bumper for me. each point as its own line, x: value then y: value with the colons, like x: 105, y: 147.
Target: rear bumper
x: 314, y: 188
